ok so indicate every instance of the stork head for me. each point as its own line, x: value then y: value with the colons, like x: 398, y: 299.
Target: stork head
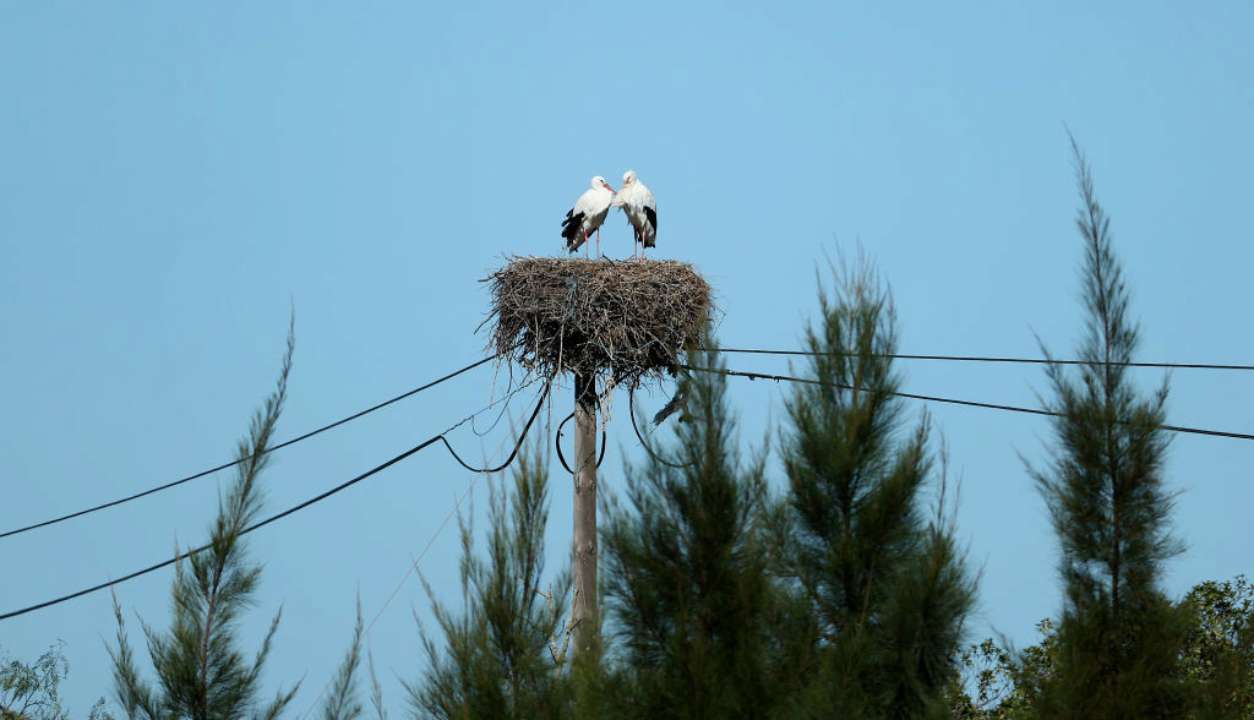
x: 598, y: 182
x: 629, y: 177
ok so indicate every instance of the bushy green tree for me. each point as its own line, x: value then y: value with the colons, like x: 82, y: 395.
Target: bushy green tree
x: 503, y: 657
x: 202, y: 673
x: 883, y: 576
x: 1007, y: 684
x: 32, y: 691
x: 1119, y: 637
x: 691, y: 611
x: 1217, y: 661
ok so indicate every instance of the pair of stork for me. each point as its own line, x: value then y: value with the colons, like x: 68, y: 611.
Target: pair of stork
x: 590, y: 210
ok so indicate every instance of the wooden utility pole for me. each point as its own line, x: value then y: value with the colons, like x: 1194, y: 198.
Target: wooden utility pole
x: 584, y: 552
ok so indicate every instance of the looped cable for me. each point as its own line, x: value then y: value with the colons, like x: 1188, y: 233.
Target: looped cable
x: 517, y: 445
x: 509, y: 392
x: 558, y: 442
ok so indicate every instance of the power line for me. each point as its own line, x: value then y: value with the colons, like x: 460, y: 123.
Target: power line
x: 315, y: 499
x: 988, y: 359
x: 233, y: 463
x: 416, y: 561
x: 413, y: 567
x: 952, y: 401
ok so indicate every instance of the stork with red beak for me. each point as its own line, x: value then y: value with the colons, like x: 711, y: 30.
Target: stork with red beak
x: 587, y: 215
x: 638, y: 204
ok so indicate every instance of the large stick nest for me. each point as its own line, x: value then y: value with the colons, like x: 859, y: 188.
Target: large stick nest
x: 627, y: 320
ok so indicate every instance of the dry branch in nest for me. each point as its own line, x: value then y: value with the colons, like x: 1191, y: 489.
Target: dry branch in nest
x: 624, y: 320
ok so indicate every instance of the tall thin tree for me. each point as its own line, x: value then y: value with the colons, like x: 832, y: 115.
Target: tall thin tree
x: 691, y: 608
x: 886, y: 581
x: 1110, y: 506
x: 503, y: 656
x: 341, y: 701
x: 202, y: 673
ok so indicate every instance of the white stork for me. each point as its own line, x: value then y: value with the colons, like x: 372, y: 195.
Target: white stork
x: 587, y: 215
x: 637, y: 202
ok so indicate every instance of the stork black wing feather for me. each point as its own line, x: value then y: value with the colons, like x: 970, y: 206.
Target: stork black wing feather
x: 570, y: 230
x: 651, y: 215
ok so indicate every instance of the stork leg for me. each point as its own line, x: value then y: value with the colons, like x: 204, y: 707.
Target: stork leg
x: 598, y: 243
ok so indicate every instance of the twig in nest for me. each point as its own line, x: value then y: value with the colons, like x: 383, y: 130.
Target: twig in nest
x: 631, y: 408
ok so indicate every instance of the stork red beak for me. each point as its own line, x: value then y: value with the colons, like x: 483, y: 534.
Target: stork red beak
x: 609, y: 187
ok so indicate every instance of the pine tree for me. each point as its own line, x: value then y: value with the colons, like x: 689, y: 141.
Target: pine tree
x: 691, y: 608
x: 202, y: 673
x: 504, y: 656
x: 1119, y: 636
x: 885, y: 581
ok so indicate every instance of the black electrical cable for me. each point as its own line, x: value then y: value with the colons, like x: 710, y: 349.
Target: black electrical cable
x: 233, y: 463
x: 301, y: 506
x: 557, y: 441
x: 989, y: 359
x: 952, y: 401
x: 517, y: 446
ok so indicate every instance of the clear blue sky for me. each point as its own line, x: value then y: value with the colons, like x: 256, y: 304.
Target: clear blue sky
x: 172, y: 174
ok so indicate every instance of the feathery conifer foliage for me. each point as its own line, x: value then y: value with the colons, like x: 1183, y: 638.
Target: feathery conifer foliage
x: 1119, y: 636
x: 342, y: 702
x: 689, y: 596
x: 201, y: 670
x: 886, y: 582
x: 502, y: 657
